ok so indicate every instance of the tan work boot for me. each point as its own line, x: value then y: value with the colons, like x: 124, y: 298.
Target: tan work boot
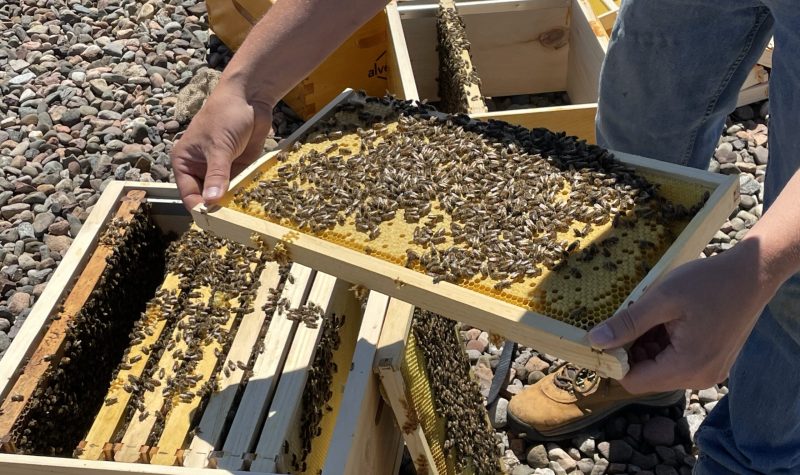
x: 571, y: 399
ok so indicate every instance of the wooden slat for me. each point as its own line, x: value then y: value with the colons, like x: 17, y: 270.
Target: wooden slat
x: 260, y: 389
x: 212, y: 424
x: 472, y: 91
x: 388, y: 361
x: 753, y: 94
x: 509, y: 45
x: 13, y: 464
x: 401, y: 75
x: 179, y: 419
x: 766, y: 57
x: 757, y: 75
x: 132, y: 448
x: 51, y: 348
x: 577, y: 120
x: 332, y: 296
x: 110, y: 418
x: 365, y: 437
x: 588, y: 42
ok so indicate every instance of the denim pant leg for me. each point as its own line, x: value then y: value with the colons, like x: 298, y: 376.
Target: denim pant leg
x: 673, y: 72
x: 756, y: 428
x: 671, y: 76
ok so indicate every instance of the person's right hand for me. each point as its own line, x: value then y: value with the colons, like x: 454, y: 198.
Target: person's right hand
x: 226, y: 135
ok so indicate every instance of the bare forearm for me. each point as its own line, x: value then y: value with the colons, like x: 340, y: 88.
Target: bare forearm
x: 290, y: 41
x: 777, y: 235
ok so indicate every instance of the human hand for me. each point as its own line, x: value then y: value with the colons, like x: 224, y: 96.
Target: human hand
x: 226, y: 136
x: 689, y: 327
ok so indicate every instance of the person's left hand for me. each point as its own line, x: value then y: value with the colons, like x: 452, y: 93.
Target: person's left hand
x: 689, y: 327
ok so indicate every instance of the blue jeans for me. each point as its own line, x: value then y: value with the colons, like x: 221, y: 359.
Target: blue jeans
x: 670, y: 78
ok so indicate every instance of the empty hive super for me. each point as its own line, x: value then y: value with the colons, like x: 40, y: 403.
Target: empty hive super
x: 532, y: 217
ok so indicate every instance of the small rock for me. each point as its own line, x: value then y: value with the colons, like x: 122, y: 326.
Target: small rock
x: 522, y: 470
x: 665, y: 470
x: 708, y: 395
x: 22, y: 78
x: 26, y: 230
x: 615, y: 450
x: 600, y: 467
x: 473, y: 355
x: 59, y: 228
x: 694, y: 421
x: 586, y: 465
x: 585, y: 443
x: 645, y: 461
x: 19, y: 302
x: 537, y: 457
x: 617, y: 468
x: 42, y: 221
x: 536, y: 364
x: 5, y: 342
x: 659, y: 431
x: 498, y: 413
x: 26, y: 261
x: 543, y: 471
x: 563, y: 459
x: 58, y: 244
x: 725, y: 153
x: 8, y: 211
x: 557, y: 469
x: 748, y: 185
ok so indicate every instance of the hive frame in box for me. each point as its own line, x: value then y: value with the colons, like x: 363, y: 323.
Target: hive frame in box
x: 576, y: 119
x: 527, y: 327
x: 514, y: 60
x: 371, y: 429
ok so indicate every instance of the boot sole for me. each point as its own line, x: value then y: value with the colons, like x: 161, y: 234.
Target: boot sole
x: 570, y: 430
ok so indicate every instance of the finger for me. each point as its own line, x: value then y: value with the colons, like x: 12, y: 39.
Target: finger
x: 189, y: 187
x: 630, y: 323
x: 218, y: 169
x: 664, y: 373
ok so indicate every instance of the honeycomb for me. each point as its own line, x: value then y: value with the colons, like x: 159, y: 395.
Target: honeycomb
x: 573, y: 230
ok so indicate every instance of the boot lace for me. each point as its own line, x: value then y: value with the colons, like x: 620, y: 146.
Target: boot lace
x: 574, y: 379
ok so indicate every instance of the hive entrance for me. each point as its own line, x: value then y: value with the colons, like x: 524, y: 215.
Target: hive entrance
x: 537, y: 219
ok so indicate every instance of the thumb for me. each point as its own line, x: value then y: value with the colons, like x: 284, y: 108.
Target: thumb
x: 630, y: 323
x: 218, y: 172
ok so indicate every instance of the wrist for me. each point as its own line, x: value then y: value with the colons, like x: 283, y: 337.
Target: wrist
x: 240, y: 82
x: 770, y: 261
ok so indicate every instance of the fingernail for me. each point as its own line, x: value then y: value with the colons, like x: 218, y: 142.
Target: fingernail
x: 212, y: 193
x: 601, y: 335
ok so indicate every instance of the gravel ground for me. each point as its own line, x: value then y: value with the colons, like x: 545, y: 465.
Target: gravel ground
x: 88, y: 96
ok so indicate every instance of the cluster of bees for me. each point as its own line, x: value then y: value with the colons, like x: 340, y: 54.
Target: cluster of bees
x: 469, y: 440
x: 68, y: 396
x: 455, y: 75
x: 196, y: 320
x: 487, y: 200
x: 318, y: 391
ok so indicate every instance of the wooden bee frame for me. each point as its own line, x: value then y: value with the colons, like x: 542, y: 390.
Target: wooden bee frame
x: 361, y: 426
x: 453, y: 301
x: 557, y: 47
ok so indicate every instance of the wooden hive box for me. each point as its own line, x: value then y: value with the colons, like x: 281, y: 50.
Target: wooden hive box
x: 508, y: 313
x: 518, y: 47
x: 367, y: 60
x: 356, y: 435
